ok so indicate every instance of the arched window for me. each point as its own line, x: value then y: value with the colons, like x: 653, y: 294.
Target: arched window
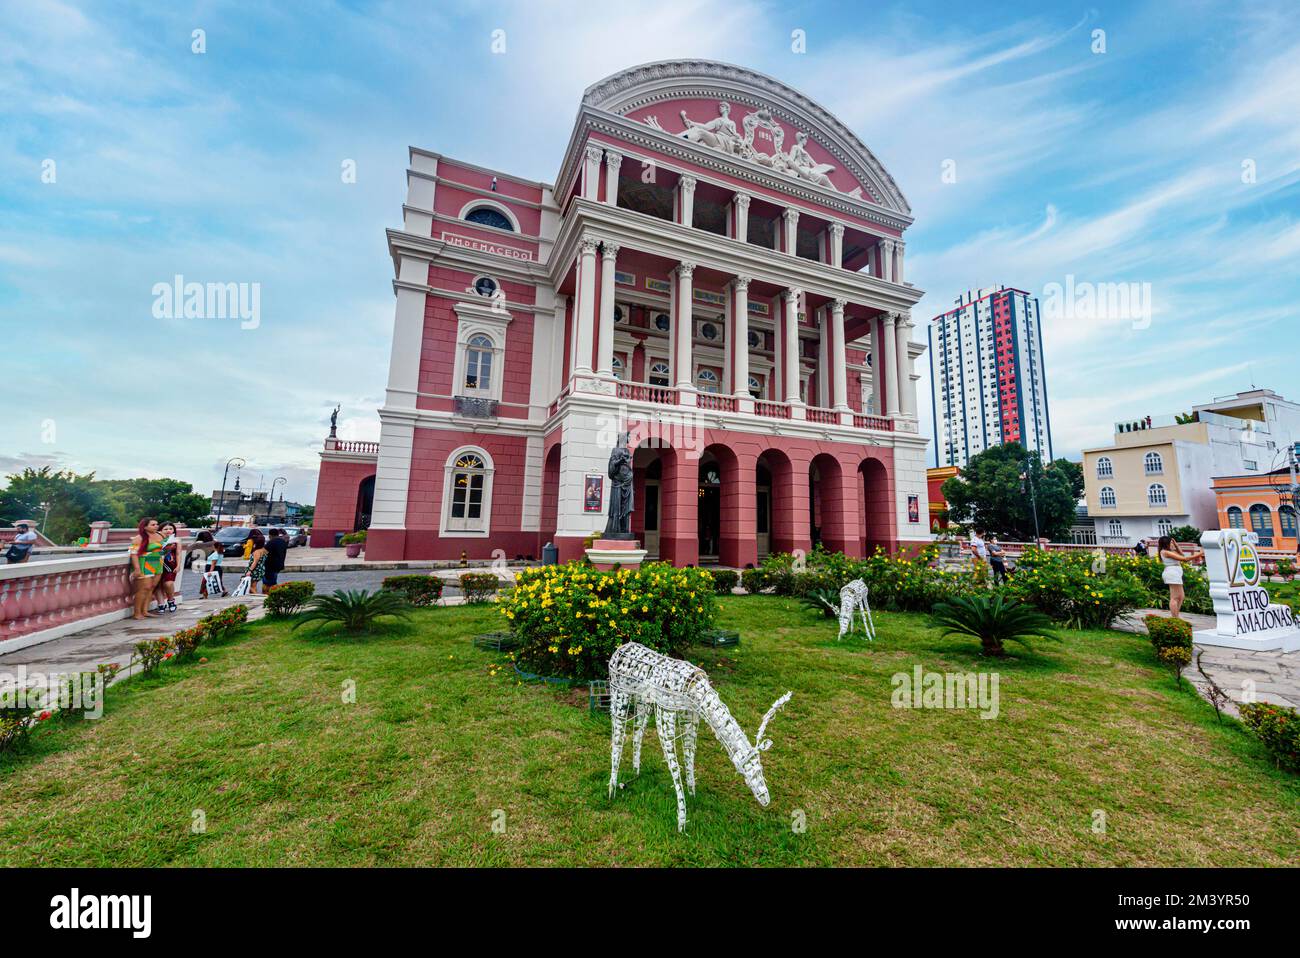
x: 1164, y: 527
x: 1287, y: 520
x: 1154, y: 463
x: 1261, y: 521
x: 1107, y: 497
x: 487, y: 216
x: 478, y: 364
x: 1156, y: 495
x: 707, y: 380
x: 755, y: 387
x: 658, y: 373
x: 1105, y: 468
x: 467, y: 501
x: 1115, y: 528
x: 618, y: 369
x: 1235, y: 518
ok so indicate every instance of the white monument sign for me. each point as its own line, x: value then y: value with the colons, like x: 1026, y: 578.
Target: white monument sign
x: 1246, y: 619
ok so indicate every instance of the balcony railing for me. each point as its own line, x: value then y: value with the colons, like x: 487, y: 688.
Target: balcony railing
x: 717, y: 403
x: 639, y: 392
x: 873, y: 422
x: 821, y: 414
x: 351, y: 445
x: 773, y: 410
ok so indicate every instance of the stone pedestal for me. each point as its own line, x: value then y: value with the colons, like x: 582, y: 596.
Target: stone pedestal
x: 605, y: 554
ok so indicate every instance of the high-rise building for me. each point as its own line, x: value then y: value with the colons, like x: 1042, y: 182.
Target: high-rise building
x: 987, y: 379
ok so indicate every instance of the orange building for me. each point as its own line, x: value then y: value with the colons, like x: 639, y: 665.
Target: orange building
x: 1261, y: 503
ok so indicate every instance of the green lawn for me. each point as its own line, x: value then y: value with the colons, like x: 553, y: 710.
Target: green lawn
x: 286, y: 773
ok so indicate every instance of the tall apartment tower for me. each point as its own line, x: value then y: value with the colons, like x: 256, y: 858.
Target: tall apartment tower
x: 986, y: 365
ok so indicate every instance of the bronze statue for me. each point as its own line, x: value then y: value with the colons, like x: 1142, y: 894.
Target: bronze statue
x: 619, y: 524
x: 334, y: 423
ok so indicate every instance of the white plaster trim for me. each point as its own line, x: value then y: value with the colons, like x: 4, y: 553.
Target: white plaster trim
x: 489, y: 472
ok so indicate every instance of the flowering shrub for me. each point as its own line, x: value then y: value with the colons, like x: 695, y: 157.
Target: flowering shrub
x: 1065, y: 587
x: 152, y: 652
x: 186, y: 642
x: 901, y: 582
x: 1278, y: 727
x: 418, y: 589
x: 221, y: 624
x: 724, y: 580
x: 1175, y: 658
x: 752, y: 581
x: 570, y: 618
x: 15, y: 723
x: 288, y: 598
x: 479, y: 586
x: 1148, y: 571
x: 1167, y: 632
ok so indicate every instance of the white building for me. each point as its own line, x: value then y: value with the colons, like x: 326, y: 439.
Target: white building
x: 986, y: 374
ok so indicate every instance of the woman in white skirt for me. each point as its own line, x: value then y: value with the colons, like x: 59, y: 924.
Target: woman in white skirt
x: 1173, y: 558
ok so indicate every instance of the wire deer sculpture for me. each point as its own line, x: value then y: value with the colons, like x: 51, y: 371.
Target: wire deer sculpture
x: 853, y: 598
x: 640, y: 680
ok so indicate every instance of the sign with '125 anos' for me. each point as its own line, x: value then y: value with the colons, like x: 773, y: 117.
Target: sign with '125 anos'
x: 1245, y: 618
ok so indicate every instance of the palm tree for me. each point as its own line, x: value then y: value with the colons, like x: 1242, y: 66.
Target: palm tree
x: 992, y: 619
x: 356, y: 610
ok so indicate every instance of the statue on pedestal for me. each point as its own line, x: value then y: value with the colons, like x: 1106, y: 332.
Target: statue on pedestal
x: 334, y: 423
x: 619, y: 524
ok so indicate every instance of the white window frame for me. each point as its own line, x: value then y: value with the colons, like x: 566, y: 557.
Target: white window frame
x: 1160, y: 500
x: 651, y: 363
x: 1109, y: 471
x: 1155, y: 458
x: 1115, y: 528
x: 501, y: 208
x: 474, y: 319
x: 705, y: 374
x: 1164, y: 526
x: 1101, y: 498
x: 474, y: 364
x: 448, y: 490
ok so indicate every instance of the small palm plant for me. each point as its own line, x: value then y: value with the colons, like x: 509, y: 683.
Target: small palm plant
x: 992, y: 619
x: 823, y: 600
x: 356, y: 610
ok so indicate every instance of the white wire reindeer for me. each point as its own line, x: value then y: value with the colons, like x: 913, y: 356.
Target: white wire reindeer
x: 853, y: 598
x: 678, y: 692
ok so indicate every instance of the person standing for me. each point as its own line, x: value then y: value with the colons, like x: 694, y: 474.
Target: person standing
x: 1140, y: 550
x: 276, y: 548
x: 165, y: 591
x: 146, y: 565
x: 1173, y: 557
x: 20, y: 550
x: 256, y: 562
x: 997, y: 559
x: 978, y: 549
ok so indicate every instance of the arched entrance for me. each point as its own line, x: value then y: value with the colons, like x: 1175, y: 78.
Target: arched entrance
x: 550, y: 496
x: 878, y: 523
x: 833, y: 506
x: 788, y: 502
x: 647, y: 474
x: 365, y: 504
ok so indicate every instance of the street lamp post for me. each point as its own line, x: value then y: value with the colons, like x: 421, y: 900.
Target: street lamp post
x: 1028, y: 477
x: 221, y: 503
x: 270, y: 500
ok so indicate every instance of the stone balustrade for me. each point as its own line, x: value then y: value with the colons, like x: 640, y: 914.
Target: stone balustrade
x: 44, y: 600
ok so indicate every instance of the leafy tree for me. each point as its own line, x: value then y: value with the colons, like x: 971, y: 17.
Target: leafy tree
x: 166, y: 499
x: 62, y: 502
x: 1000, y: 487
x: 1186, y: 534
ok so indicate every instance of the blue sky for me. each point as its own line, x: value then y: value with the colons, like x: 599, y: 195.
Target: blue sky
x: 1123, y: 166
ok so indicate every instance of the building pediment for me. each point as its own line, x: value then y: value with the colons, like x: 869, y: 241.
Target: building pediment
x: 752, y: 119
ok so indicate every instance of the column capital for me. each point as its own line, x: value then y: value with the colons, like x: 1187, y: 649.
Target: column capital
x: 890, y: 318
x: 594, y: 153
x: 741, y: 200
x: 837, y: 305
x: 791, y: 294
x: 837, y: 229
x: 687, y: 183
x: 790, y: 214
x: 741, y: 283
x: 609, y: 250
x: 684, y: 269
x: 588, y: 244
x: 613, y: 160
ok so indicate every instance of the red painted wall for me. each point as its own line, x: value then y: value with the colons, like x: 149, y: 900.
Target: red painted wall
x: 336, y: 499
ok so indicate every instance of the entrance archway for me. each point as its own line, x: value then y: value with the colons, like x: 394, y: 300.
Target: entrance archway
x: 365, y: 504
x: 878, y: 524
x: 834, y: 506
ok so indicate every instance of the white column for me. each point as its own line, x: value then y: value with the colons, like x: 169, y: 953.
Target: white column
x: 790, y: 354
x: 839, y: 358
x: 887, y: 260
x: 898, y: 268
x: 878, y: 366
x: 591, y: 172
x: 906, y: 393
x: 740, y: 216
x: 605, y: 347
x: 612, y: 163
x: 739, y: 333
x: 790, y: 238
x: 686, y: 200
x: 837, y: 244
x: 823, y: 321
x: 683, y: 363
x: 585, y: 313
x: 891, y: 365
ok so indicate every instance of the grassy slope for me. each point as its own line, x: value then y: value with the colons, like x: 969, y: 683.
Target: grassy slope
x: 286, y: 773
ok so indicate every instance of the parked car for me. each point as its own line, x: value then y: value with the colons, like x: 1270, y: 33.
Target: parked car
x: 232, y: 539
x: 195, y: 548
x: 298, y: 536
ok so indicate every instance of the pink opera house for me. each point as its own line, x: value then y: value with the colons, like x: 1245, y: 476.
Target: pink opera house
x: 716, y: 271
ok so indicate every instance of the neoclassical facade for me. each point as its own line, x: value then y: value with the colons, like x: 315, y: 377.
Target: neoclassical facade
x: 716, y: 275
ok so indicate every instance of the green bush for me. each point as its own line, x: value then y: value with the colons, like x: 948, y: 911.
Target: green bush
x: 1065, y: 587
x: 724, y: 580
x: 906, y: 583
x: 993, y: 619
x: 1278, y: 727
x: 479, y: 586
x: 419, y: 590
x: 355, y: 610
x: 152, y: 652
x: 752, y: 581
x: 779, y: 573
x: 352, y: 538
x: 1149, y: 571
x: 1167, y: 632
x: 186, y: 642
x: 570, y: 618
x: 219, y: 625
x: 288, y: 598
x: 16, y: 724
